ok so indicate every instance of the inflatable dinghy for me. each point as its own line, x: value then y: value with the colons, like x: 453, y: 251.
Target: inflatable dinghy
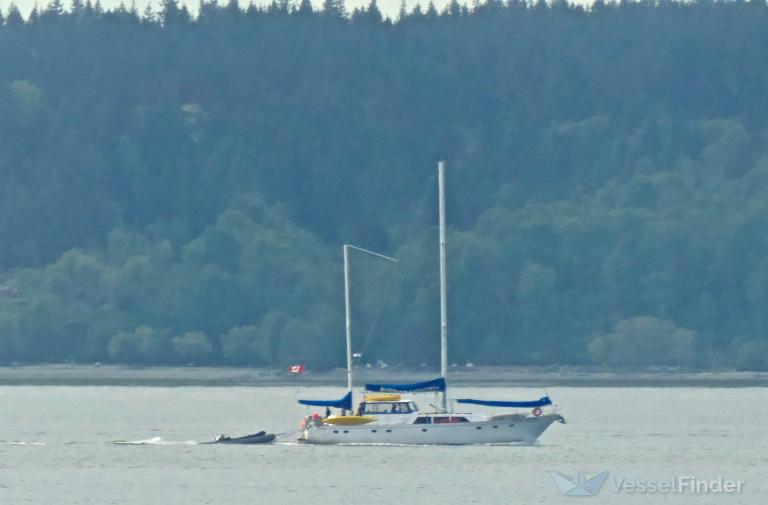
x: 261, y: 437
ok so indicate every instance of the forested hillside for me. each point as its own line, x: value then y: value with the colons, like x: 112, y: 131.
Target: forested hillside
x: 177, y: 189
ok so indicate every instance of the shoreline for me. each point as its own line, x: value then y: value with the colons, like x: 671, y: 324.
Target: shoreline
x: 165, y: 376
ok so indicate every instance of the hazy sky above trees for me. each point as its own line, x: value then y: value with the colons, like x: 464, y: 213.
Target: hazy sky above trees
x: 389, y: 8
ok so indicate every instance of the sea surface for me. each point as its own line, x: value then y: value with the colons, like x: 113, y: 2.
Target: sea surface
x: 139, y: 445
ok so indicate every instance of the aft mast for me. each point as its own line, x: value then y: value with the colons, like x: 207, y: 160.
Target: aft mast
x: 443, y: 287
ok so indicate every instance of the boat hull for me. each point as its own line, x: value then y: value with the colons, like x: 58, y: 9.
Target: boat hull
x: 520, y: 430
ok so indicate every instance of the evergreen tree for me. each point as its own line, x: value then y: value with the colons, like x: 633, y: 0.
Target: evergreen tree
x: 54, y: 9
x: 184, y: 15
x: 372, y: 14
x: 402, y: 13
x: 78, y: 9
x: 148, y: 15
x: 304, y: 8
x: 207, y: 11
x: 334, y: 9
x: 171, y: 14
x: 34, y: 15
x: 233, y: 9
x: 454, y: 9
x: 416, y: 13
x: 431, y: 11
x: 252, y: 11
x: 279, y: 8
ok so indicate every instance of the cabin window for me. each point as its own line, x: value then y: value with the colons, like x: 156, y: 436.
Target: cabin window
x: 377, y: 408
x: 423, y: 420
x: 450, y: 419
x: 403, y: 408
x: 387, y: 408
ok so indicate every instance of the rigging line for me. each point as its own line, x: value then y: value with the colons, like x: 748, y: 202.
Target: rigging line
x: 288, y: 434
x: 419, y: 214
x: 372, y: 327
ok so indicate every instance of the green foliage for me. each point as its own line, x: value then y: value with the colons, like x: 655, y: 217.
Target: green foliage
x: 752, y: 355
x: 644, y: 341
x: 179, y: 189
x: 248, y: 344
x: 144, y: 344
x: 28, y: 97
x: 192, y: 346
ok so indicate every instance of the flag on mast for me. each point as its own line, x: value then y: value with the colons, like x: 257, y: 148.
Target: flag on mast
x: 299, y: 369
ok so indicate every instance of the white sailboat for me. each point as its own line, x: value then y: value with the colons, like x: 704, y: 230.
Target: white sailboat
x: 386, y: 416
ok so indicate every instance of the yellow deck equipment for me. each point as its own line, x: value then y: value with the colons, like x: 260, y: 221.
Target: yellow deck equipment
x: 348, y: 420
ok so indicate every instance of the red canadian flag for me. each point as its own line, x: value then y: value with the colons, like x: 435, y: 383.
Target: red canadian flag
x: 296, y: 368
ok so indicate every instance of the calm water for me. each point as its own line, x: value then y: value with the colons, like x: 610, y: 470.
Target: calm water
x: 58, y: 447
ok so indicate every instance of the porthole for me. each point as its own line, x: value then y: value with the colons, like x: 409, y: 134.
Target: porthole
x: 479, y: 428
x: 389, y: 431
x: 495, y: 426
x: 511, y: 425
x: 335, y: 431
x: 373, y: 431
x: 423, y: 429
x: 346, y: 431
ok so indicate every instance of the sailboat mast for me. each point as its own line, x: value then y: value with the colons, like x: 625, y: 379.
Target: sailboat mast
x: 348, y: 320
x: 443, y: 287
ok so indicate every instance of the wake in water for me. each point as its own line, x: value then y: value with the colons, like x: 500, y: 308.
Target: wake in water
x: 153, y: 441
x: 20, y: 442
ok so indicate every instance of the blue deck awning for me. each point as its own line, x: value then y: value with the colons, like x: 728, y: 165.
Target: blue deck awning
x: 344, y: 403
x: 541, y: 402
x: 433, y: 385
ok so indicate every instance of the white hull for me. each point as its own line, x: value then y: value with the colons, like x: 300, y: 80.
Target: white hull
x: 506, y: 430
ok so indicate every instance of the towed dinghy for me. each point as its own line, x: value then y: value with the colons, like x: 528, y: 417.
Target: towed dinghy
x: 261, y: 437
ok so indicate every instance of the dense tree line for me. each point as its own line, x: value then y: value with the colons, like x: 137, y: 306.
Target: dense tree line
x: 176, y: 188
